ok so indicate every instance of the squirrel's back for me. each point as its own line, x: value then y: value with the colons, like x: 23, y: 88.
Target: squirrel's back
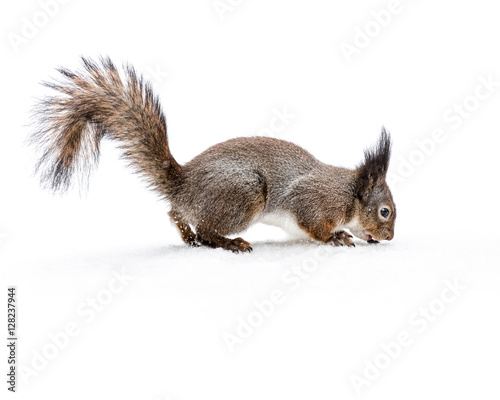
x: 270, y: 169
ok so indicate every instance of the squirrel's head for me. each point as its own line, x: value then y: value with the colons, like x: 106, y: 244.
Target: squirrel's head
x: 375, y: 208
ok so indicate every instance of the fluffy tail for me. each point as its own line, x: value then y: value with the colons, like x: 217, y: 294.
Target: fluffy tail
x: 98, y: 103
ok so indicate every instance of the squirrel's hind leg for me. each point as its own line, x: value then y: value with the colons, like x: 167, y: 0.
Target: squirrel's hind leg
x: 210, y: 238
x: 185, y: 230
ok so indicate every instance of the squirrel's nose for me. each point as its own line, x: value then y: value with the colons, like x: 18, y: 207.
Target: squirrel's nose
x: 389, y: 237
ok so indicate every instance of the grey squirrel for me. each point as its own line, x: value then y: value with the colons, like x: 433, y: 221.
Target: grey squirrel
x: 225, y: 189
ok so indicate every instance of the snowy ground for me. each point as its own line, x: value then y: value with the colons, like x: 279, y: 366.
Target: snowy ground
x: 111, y: 304
x: 173, y: 328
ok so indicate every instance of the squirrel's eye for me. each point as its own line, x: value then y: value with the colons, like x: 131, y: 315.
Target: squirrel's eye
x: 384, y: 212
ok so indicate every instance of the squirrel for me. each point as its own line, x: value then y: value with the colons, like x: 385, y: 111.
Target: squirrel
x: 225, y: 189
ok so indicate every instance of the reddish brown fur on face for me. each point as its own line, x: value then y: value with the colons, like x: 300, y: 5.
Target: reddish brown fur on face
x: 369, y: 213
x: 373, y: 193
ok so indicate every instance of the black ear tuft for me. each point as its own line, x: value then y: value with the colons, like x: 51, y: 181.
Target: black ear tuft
x: 374, y: 168
x: 377, y: 158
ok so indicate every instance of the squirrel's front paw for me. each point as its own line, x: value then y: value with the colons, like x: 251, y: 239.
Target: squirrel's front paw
x: 341, y: 238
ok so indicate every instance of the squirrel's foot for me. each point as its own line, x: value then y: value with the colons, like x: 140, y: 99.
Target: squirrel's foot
x: 192, y: 242
x: 214, y: 240
x: 237, y: 245
x: 341, y: 238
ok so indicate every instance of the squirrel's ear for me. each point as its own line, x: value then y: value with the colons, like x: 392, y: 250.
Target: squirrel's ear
x: 373, y: 170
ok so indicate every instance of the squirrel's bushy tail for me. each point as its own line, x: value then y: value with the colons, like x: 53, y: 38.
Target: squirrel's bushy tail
x: 98, y: 103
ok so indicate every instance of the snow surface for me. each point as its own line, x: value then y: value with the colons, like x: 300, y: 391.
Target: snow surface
x: 163, y: 333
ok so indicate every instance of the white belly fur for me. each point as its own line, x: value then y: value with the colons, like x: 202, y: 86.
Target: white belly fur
x: 285, y: 221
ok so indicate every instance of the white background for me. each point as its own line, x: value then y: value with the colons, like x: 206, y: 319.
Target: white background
x: 161, y: 337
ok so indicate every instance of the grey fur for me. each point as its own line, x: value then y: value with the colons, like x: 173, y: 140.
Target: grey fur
x: 226, y: 188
